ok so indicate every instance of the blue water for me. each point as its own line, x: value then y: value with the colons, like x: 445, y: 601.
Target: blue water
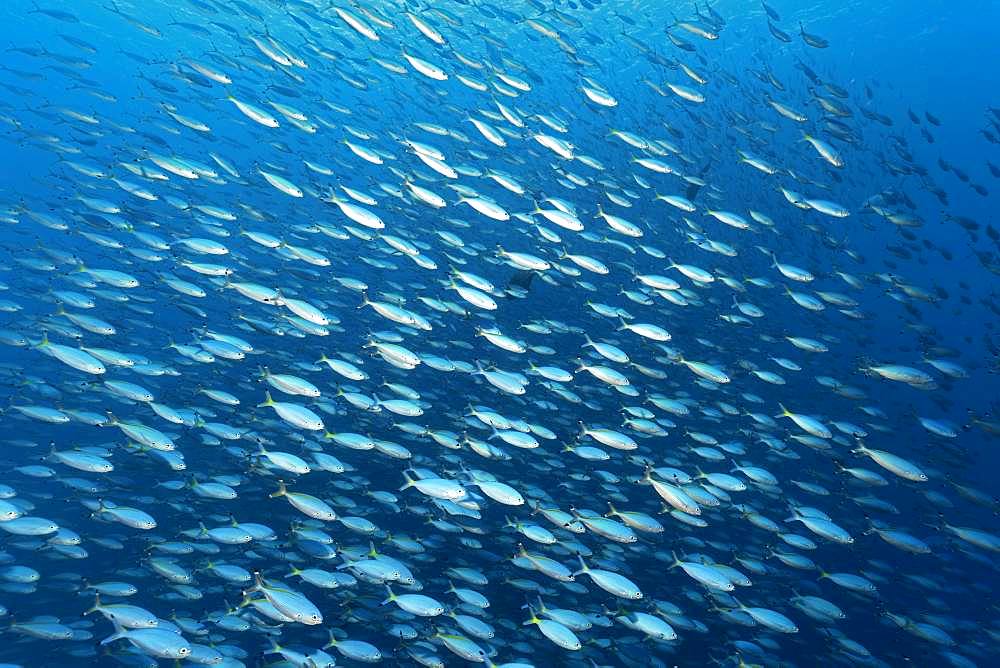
x: 198, y: 194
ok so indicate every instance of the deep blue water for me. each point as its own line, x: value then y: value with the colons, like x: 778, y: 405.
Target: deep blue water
x: 196, y: 191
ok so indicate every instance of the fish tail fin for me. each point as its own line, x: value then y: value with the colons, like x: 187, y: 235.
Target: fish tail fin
x: 97, y: 604
x: 119, y: 633
x: 281, y: 491
x: 647, y: 475
x: 268, y: 401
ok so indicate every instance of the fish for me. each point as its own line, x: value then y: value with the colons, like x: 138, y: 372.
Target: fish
x: 524, y: 334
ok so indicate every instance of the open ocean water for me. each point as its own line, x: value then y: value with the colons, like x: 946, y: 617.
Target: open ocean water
x: 529, y: 333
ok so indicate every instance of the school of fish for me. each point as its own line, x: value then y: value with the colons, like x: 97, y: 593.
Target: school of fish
x: 536, y: 333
